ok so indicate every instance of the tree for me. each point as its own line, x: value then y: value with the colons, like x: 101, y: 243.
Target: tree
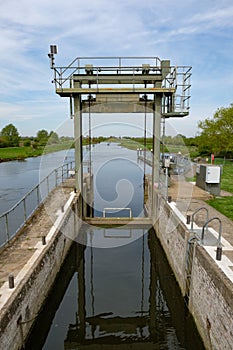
x: 42, y: 137
x: 53, y: 138
x: 10, y: 135
x: 217, y: 133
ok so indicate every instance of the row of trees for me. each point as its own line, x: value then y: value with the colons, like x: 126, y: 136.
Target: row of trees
x: 217, y: 133
x: 9, y: 137
x: 215, y: 136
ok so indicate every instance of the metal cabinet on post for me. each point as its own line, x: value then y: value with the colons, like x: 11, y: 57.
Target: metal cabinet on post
x: 208, y: 177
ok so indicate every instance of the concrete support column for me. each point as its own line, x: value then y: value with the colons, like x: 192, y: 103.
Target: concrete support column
x: 156, y: 145
x: 78, y: 144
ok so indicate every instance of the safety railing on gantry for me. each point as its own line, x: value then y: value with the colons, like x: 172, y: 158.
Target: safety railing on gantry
x: 104, y: 65
x: 178, y: 77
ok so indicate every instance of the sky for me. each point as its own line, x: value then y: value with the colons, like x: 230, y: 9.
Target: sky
x: 192, y: 33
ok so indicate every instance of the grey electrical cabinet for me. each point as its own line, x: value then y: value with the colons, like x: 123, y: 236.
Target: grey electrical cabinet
x: 208, y: 177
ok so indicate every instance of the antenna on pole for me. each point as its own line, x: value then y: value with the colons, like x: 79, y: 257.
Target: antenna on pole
x: 53, y: 51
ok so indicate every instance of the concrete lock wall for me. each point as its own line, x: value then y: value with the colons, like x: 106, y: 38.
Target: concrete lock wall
x: 210, y: 295
x: 211, y: 302
x: 174, y: 238
x: 27, y: 299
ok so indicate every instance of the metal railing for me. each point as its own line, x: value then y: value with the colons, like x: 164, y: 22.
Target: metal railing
x: 196, y: 211
x: 219, y: 244
x: 113, y: 210
x: 180, y: 78
x: 14, y: 219
x: 63, y: 74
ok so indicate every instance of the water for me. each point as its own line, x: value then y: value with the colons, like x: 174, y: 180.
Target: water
x: 118, y: 180
x: 118, y: 298
x: 123, y: 296
x: 19, y: 177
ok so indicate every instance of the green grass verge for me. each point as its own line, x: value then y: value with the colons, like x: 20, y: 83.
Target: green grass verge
x: 18, y: 153
x: 221, y: 161
x: 190, y: 179
x: 227, y: 178
x: 11, y: 153
x: 57, y: 147
x: 225, y: 204
x: 135, y: 143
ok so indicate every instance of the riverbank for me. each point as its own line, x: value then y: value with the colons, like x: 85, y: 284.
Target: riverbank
x: 21, y: 153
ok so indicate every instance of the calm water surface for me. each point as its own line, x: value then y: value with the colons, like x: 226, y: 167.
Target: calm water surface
x: 19, y: 177
x: 116, y: 298
x: 123, y: 296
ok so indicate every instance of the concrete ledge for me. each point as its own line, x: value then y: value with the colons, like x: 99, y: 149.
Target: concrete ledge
x: 19, y: 306
x: 131, y: 223
x: 211, y: 281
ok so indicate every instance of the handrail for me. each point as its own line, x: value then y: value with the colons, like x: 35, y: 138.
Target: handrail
x: 201, y: 208
x: 220, y: 230
x: 219, y: 245
x: 108, y: 209
x: 28, y: 193
x: 14, y: 219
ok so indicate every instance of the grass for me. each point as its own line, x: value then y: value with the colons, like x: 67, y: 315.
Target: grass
x: 227, y: 178
x: 190, y: 179
x: 225, y: 204
x: 222, y: 161
x: 20, y: 153
x: 9, y: 153
x: 135, y: 143
x: 57, y: 147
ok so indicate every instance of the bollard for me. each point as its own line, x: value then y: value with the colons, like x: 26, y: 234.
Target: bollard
x: 219, y: 253
x: 62, y: 208
x: 169, y: 199
x: 188, y: 219
x: 75, y: 190
x: 43, y: 240
x: 11, y: 281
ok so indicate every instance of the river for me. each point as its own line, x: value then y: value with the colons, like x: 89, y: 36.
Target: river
x: 117, y: 291
x: 19, y: 177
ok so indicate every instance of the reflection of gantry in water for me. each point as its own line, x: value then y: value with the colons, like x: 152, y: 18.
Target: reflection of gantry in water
x: 144, y: 329
x: 122, y: 85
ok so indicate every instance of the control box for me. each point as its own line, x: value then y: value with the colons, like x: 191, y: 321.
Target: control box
x: 208, y: 177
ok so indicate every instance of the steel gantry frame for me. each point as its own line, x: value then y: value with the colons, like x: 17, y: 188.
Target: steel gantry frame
x: 119, y: 85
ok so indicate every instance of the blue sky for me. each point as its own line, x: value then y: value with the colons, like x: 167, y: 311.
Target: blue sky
x: 195, y: 33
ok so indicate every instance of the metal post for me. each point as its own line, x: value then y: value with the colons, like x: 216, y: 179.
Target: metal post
x: 38, y: 195
x: 48, y: 183
x: 7, y: 227
x: 78, y: 143
x: 11, y: 281
x: 166, y: 182
x: 56, y: 177
x: 24, y: 210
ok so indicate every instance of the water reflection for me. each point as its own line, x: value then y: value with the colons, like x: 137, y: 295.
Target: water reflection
x: 118, y: 298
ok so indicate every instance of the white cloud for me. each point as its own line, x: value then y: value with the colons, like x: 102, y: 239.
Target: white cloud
x: 192, y: 33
